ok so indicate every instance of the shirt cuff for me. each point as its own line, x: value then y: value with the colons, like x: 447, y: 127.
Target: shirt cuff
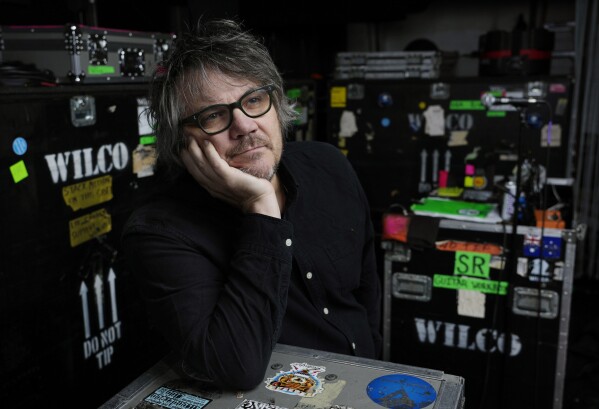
x: 265, y: 234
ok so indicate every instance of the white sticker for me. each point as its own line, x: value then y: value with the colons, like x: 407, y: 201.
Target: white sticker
x: 435, y: 121
x: 301, y: 380
x: 347, y: 124
x: 554, y: 136
x: 254, y: 404
x: 143, y: 124
x: 471, y: 303
x: 458, y: 138
x: 522, y: 267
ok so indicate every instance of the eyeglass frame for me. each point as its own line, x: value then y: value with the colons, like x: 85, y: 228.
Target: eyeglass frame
x: 193, y: 119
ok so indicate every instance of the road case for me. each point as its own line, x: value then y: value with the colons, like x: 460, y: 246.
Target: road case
x: 76, y: 53
x: 300, y: 378
x: 485, y: 302
x: 406, y: 138
x: 74, y: 161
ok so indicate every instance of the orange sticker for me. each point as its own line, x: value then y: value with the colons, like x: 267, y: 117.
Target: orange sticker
x: 454, y: 245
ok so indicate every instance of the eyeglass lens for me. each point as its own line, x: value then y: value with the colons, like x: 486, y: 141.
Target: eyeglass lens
x: 218, y: 118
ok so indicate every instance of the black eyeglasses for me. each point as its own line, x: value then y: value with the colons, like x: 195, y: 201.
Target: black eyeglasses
x: 217, y: 118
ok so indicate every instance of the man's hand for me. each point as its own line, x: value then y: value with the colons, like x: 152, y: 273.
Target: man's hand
x: 247, y: 192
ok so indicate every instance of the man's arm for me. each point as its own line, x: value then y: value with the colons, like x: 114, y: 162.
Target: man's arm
x: 223, y: 319
x: 248, y: 193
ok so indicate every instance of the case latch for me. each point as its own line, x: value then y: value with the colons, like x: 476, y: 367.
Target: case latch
x: 412, y: 286
x: 83, y: 110
x: 532, y: 303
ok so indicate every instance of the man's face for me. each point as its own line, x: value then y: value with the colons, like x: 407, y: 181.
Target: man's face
x: 253, y: 145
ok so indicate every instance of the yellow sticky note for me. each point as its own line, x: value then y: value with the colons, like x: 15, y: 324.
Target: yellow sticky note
x: 88, y: 193
x: 468, y: 181
x: 19, y: 171
x: 89, y: 226
x: 338, y: 97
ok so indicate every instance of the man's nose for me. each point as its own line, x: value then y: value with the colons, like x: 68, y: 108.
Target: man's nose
x: 242, y: 124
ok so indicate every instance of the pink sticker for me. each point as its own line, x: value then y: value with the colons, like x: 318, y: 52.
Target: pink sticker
x: 443, y: 178
x: 469, y: 170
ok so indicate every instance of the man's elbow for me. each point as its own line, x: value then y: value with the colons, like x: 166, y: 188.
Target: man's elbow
x: 238, y: 374
x: 246, y: 382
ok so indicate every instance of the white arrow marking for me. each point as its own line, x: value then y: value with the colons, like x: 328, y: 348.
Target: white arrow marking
x: 447, y: 160
x: 99, y: 300
x: 111, y: 278
x: 84, y: 307
x: 423, y: 156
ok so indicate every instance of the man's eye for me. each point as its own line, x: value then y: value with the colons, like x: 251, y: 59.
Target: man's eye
x: 213, y: 116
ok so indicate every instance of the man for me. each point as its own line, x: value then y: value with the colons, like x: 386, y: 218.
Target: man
x: 255, y: 240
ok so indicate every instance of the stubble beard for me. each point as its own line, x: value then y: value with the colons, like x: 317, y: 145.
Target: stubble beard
x: 261, y: 172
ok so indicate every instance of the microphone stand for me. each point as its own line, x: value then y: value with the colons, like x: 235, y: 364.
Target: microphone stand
x: 517, y: 209
x: 512, y: 259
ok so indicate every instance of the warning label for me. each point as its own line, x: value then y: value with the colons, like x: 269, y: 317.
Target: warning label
x: 91, y: 225
x: 89, y: 193
x: 174, y: 399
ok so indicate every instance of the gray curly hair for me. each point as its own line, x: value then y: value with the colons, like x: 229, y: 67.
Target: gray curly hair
x: 221, y: 46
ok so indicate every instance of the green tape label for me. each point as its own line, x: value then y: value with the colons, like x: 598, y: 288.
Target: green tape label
x: 466, y: 105
x: 100, y: 69
x: 472, y: 284
x: 294, y: 93
x: 496, y: 114
x: 472, y: 264
x: 147, y: 140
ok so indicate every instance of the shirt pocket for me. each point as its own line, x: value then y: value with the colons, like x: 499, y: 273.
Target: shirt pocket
x: 344, y: 252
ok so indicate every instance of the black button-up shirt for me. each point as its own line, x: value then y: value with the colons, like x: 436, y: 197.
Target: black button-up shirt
x: 224, y: 287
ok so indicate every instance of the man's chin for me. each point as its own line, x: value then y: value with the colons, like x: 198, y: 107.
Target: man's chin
x: 260, y: 172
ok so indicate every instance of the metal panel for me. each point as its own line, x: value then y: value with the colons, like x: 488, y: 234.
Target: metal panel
x: 82, y: 54
x: 345, y: 381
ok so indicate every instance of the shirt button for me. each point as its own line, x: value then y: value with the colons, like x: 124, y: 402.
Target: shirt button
x: 326, y: 311
x: 309, y: 275
x: 288, y: 242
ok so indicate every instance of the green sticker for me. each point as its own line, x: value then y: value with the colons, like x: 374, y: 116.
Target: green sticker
x: 147, y: 140
x: 466, y: 105
x: 100, y: 69
x: 19, y: 171
x: 472, y: 284
x: 472, y: 264
x: 496, y: 114
x: 294, y: 93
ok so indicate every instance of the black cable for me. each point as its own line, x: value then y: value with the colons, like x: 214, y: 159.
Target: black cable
x: 485, y: 391
x: 17, y: 73
x: 543, y: 207
x: 511, y: 259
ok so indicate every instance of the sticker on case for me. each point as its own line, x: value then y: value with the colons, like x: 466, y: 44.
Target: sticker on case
x: 88, y: 193
x: 301, y: 380
x: 532, y: 245
x: 19, y: 171
x: 175, y: 399
x: 539, y: 271
x: 19, y: 145
x: 254, y: 404
x: 401, y: 391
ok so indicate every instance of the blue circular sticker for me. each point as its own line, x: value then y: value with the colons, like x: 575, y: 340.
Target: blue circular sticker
x: 385, y: 99
x: 401, y: 392
x: 19, y: 145
x: 385, y: 122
